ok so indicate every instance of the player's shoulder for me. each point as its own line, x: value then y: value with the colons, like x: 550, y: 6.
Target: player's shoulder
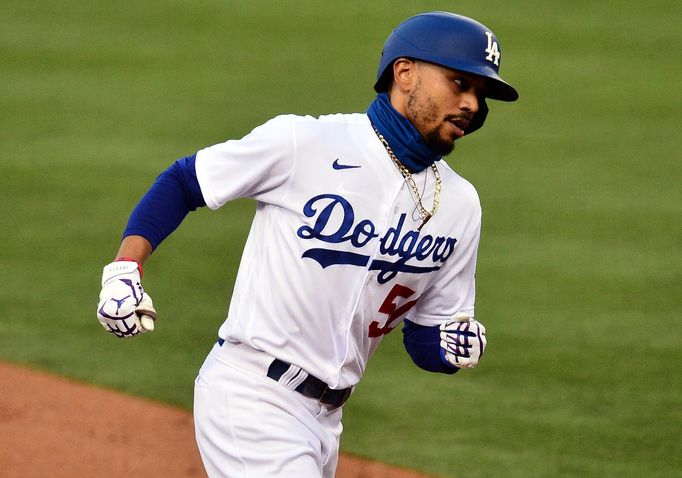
x: 334, y: 120
x: 288, y: 127
x: 351, y: 119
x: 337, y: 128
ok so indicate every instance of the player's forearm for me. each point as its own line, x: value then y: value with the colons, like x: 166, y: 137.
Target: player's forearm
x: 160, y: 211
x: 136, y: 248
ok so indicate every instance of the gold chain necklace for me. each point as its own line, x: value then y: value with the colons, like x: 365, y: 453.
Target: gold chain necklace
x: 423, y: 213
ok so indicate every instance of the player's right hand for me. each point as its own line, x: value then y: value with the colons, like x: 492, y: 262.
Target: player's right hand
x: 124, y: 308
x: 462, y: 341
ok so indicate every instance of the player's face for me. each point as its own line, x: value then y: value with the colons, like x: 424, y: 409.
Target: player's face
x: 442, y: 103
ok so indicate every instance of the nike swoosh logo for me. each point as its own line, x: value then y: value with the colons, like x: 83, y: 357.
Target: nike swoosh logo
x: 337, y: 165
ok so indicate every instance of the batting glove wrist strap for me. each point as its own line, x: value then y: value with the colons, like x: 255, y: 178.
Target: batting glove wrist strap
x: 124, y: 308
x: 462, y: 342
x: 123, y: 268
x: 128, y: 259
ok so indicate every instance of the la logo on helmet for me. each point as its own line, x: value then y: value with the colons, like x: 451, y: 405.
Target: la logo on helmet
x: 493, y: 51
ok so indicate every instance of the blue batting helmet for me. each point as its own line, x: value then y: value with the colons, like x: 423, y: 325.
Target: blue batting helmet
x: 453, y: 41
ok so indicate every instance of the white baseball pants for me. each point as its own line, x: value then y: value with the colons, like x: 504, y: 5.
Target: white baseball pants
x: 249, y: 426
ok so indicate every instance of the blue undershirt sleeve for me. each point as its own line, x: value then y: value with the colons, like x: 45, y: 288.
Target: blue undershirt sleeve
x: 423, y: 345
x: 173, y: 195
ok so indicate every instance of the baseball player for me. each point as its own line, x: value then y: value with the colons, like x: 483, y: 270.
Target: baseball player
x: 359, y: 227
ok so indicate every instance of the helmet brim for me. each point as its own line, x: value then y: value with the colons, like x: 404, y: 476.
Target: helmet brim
x: 498, y: 89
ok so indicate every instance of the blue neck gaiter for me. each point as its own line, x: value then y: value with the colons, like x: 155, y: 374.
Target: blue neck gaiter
x: 403, y: 138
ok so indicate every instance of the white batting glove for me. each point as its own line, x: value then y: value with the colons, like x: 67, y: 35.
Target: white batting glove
x: 462, y: 341
x: 124, y: 308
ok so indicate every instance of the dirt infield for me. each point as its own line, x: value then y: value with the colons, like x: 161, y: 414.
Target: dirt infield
x: 50, y: 426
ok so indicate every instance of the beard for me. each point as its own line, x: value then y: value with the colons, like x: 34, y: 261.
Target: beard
x: 434, y: 140
x: 423, y: 110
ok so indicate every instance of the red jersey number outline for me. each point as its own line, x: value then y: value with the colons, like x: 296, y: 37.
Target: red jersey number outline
x: 390, y: 308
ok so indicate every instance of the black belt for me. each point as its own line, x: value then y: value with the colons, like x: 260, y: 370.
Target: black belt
x: 311, y: 387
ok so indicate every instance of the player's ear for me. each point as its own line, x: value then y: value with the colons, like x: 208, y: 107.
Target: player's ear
x: 404, y: 74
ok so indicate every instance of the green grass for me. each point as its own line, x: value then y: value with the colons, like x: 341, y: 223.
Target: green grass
x: 580, y: 265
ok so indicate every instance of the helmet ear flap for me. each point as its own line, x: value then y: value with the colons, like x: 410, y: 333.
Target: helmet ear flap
x: 479, y: 118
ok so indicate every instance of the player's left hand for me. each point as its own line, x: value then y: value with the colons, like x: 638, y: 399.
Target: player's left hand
x: 124, y: 309
x: 462, y: 341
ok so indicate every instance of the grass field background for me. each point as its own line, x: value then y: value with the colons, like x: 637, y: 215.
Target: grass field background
x: 580, y: 265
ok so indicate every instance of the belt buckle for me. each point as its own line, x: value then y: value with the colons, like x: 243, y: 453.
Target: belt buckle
x: 338, y: 403
x: 346, y: 395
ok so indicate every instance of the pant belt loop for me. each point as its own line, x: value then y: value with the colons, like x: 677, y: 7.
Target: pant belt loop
x: 293, y: 377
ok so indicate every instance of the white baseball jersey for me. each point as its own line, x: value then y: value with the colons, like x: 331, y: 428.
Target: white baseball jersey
x: 333, y: 260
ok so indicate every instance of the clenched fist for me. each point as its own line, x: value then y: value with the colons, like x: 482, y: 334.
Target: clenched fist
x: 124, y: 308
x: 462, y: 341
